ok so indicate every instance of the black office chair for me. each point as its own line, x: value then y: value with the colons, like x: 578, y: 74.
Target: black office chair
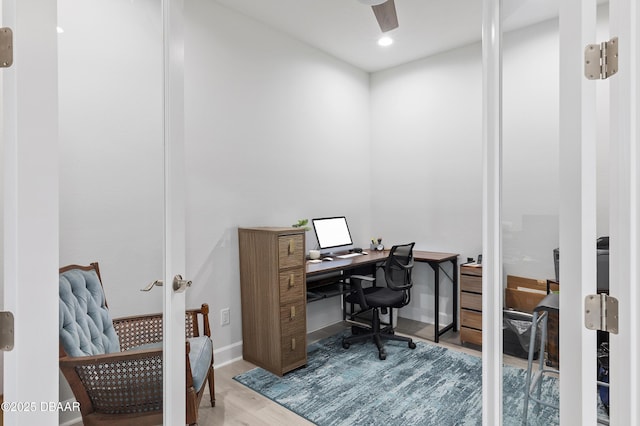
x: 397, y: 273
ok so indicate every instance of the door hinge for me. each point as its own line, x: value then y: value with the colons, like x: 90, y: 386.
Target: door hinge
x: 6, y: 47
x: 601, y: 60
x: 6, y: 331
x: 601, y: 313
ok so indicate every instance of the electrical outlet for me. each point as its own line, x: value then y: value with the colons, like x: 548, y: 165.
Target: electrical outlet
x: 225, y: 317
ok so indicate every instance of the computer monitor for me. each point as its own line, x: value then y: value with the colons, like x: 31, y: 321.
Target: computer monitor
x: 332, y: 233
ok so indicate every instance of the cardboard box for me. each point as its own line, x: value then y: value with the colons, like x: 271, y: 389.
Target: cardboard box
x: 524, y: 294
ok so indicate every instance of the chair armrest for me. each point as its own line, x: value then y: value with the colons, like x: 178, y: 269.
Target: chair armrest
x: 363, y: 278
x: 356, y: 282
x: 106, y: 359
x: 138, y: 330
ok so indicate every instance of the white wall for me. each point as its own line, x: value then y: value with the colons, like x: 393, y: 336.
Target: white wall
x: 275, y: 131
x: 427, y: 165
x: 111, y: 172
x: 530, y: 176
x: 427, y: 162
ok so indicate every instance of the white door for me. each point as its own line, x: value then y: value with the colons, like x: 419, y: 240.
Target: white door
x: 625, y: 213
x: 174, y: 210
x: 47, y: 178
x: 30, y: 205
x: 578, y: 229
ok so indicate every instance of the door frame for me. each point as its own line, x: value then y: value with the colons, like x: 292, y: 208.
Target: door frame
x: 492, y: 293
x: 578, y: 398
x: 624, y: 371
x: 31, y: 200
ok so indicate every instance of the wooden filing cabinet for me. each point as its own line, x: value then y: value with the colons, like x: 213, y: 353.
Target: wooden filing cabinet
x: 272, y: 285
x: 471, y: 304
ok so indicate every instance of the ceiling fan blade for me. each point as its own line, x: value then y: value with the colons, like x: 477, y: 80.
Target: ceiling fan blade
x: 386, y: 15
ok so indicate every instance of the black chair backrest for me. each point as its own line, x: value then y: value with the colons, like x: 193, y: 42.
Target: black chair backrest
x: 397, y: 269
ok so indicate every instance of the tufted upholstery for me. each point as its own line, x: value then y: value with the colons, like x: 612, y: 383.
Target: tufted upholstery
x: 86, y: 328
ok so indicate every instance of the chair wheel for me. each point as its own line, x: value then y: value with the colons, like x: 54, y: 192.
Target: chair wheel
x: 412, y: 345
x: 382, y: 356
x: 345, y: 345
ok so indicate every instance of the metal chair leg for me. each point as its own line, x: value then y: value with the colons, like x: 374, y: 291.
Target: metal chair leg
x: 532, y: 343
x: 543, y: 342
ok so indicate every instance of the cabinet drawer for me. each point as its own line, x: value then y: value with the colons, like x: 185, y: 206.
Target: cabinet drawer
x: 469, y: 335
x: 294, y: 351
x: 471, y: 301
x: 290, y: 251
x: 471, y: 283
x: 294, y: 336
x: 291, y: 286
x: 471, y: 270
x: 471, y: 319
x: 293, y: 316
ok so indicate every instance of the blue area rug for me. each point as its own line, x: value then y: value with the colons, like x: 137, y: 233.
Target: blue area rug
x: 430, y: 385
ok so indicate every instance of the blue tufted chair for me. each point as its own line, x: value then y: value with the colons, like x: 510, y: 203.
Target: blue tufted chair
x: 114, y: 367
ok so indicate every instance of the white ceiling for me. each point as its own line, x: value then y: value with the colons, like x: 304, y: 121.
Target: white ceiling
x: 347, y: 29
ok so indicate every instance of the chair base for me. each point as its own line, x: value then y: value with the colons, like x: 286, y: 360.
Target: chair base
x: 377, y: 334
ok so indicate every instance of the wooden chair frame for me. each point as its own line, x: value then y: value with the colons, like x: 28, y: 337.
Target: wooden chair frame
x: 99, y: 383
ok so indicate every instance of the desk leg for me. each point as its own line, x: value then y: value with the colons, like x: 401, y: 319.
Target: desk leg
x: 456, y: 293
x: 436, y: 312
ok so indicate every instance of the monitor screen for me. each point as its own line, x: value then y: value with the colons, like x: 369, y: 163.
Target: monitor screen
x: 332, y: 232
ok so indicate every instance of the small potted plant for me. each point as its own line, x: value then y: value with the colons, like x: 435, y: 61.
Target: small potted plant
x: 302, y: 223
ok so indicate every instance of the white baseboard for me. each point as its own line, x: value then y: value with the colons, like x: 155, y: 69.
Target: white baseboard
x: 227, y: 354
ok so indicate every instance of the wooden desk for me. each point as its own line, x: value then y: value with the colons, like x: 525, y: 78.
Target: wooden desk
x: 433, y: 259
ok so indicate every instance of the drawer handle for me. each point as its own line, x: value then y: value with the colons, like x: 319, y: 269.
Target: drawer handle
x: 292, y: 280
x: 293, y: 312
x: 293, y: 344
x: 292, y: 246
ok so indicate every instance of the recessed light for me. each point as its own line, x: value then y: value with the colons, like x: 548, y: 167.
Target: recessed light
x: 372, y: 2
x: 385, y: 41
x: 59, y: 30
